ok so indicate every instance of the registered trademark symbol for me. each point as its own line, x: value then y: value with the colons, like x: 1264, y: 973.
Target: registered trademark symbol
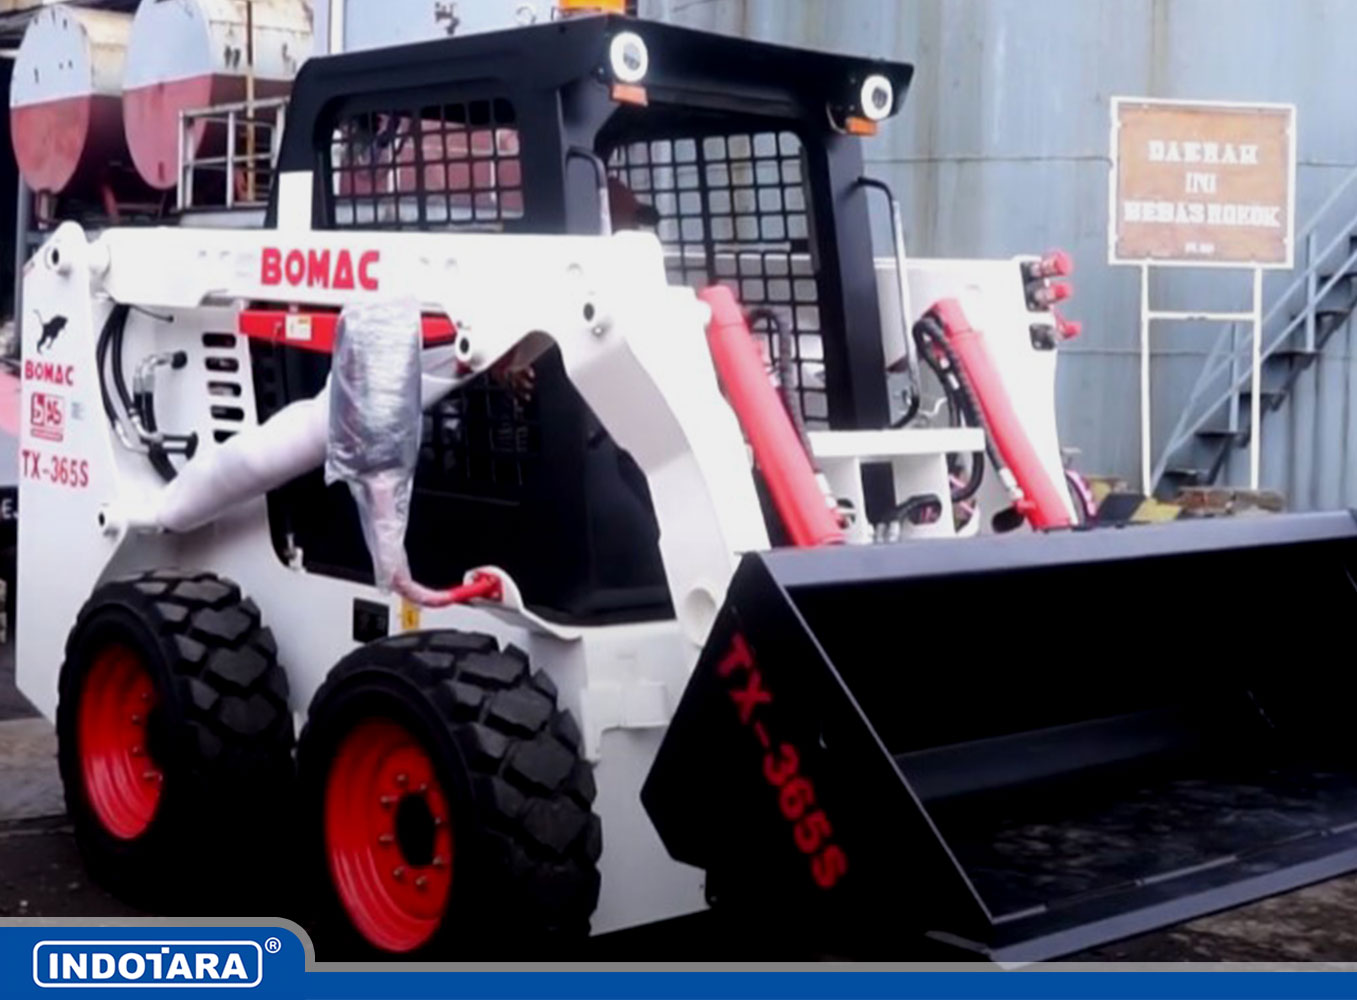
x: 273, y: 946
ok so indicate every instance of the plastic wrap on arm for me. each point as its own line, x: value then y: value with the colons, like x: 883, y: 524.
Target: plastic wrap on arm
x: 375, y: 419
x: 250, y: 464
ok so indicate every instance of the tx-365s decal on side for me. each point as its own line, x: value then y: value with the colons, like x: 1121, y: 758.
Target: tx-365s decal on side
x: 58, y: 470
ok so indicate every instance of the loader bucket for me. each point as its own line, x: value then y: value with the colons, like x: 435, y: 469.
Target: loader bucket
x: 1023, y: 746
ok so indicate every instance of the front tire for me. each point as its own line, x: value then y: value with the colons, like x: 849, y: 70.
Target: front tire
x: 447, y: 801
x: 175, y: 742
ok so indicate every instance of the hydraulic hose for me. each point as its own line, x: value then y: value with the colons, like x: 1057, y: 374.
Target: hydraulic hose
x: 155, y: 451
x: 116, y: 320
x: 116, y: 347
x: 912, y: 407
x: 942, y: 362
x: 784, y: 361
x: 1015, y: 458
x: 141, y: 408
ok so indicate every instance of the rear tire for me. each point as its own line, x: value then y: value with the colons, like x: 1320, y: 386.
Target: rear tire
x: 447, y: 802
x: 175, y: 743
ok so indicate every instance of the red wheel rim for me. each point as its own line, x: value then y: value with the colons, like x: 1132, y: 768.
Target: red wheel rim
x: 388, y: 836
x: 122, y: 782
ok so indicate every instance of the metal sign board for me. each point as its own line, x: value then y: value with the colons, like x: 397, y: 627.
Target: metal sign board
x: 1202, y: 183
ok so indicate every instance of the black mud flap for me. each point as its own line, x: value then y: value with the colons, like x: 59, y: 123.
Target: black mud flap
x: 1023, y: 746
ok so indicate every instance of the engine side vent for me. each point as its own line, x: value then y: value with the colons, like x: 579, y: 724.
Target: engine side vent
x: 220, y: 358
x: 481, y: 440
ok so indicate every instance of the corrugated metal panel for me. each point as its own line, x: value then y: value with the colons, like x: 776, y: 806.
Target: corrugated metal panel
x: 15, y: 15
x: 1002, y: 148
x: 29, y: 6
x: 19, y: 6
x: 368, y: 24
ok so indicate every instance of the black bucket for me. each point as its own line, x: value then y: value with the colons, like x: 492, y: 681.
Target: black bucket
x: 1024, y: 746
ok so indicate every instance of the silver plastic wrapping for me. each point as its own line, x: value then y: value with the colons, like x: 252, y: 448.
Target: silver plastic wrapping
x: 375, y: 420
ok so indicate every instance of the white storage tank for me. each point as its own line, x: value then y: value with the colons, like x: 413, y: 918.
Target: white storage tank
x: 65, y: 104
x: 187, y: 55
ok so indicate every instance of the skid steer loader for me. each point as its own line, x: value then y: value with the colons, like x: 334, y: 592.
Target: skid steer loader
x: 442, y: 488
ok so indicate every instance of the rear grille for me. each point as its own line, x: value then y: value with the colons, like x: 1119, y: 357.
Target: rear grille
x: 481, y: 441
x: 733, y: 210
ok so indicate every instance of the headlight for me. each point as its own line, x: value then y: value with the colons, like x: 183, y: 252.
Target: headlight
x: 877, y: 97
x: 628, y: 57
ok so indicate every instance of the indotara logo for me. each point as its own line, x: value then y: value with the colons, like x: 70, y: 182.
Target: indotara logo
x: 143, y: 964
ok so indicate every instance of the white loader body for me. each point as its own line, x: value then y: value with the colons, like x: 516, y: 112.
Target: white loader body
x: 95, y: 510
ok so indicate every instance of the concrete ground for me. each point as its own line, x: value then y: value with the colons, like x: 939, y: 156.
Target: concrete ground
x: 41, y: 873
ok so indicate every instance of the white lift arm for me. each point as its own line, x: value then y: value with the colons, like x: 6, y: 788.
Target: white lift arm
x: 633, y: 345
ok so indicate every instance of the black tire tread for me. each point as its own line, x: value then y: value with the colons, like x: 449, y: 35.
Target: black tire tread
x: 227, y: 731
x: 223, y: 647
x: 533, y: 791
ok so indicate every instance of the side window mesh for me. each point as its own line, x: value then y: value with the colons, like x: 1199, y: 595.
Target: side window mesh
x: 732, y: 209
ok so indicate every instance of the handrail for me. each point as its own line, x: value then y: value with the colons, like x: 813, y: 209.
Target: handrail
x: 264, y: 117
x: 1317, y: 215
x: 1309, y: 269
x: 1218, y: 360
x: 267, y: 104
x: 1234, y: 387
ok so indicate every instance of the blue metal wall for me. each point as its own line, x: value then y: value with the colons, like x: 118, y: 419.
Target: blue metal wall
x: 1002, y: 148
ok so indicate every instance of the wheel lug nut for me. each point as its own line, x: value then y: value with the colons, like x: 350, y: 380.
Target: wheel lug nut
x: 387, y: 801
x: 138, y: 752
x: 438, y: 821
x: 424, y: 787
x: 150, y: 775
x: 421, y: 882
x: 386, y: 839
x: 402, y: 778
x: 136, y: 719
x: 439, y: 861
x: 398, y: 872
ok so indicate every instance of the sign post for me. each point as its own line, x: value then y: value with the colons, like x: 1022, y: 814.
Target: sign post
x: 1201, y: 184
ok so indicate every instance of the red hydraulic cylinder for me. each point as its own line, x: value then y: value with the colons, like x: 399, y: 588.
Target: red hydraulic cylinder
x: 777, y: 447
x: 1043, y: 504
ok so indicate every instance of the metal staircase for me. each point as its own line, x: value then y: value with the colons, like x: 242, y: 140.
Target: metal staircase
x: 1317, y: 302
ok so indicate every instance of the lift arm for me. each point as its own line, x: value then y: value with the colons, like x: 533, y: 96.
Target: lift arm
x: 632, y: 345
